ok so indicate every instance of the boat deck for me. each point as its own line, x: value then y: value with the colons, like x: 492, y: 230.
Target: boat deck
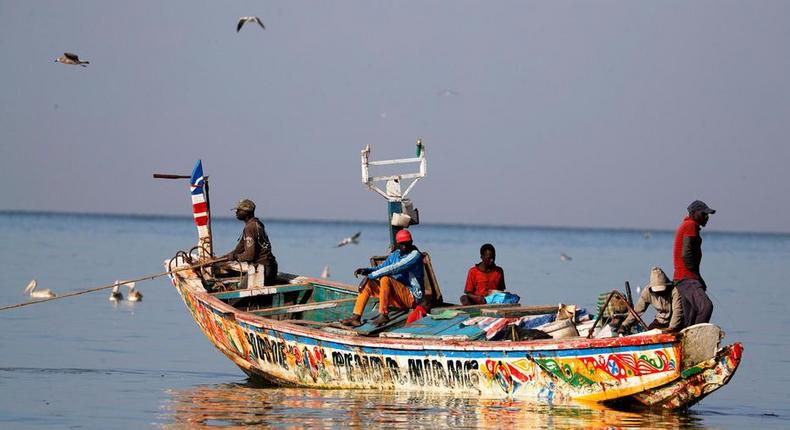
x: 321, y: 304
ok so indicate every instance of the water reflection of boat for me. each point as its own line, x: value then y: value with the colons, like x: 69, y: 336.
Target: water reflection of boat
x: 285, y: 334
x: 236, y: 405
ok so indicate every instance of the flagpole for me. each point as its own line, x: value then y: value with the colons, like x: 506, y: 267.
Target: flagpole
x: 208, y: 225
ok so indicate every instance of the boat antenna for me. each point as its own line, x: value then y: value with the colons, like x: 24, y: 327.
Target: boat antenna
x: 400, y: 212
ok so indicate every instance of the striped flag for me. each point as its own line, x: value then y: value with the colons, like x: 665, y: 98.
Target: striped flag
x: 200, y: 206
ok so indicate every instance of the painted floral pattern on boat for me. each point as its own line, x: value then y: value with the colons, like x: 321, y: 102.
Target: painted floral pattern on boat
x: 583, y: 371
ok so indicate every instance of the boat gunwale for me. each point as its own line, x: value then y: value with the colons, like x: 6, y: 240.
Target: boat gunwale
x: 418, y: 344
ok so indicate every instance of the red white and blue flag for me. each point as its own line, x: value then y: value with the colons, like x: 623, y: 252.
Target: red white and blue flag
x: 199, y: 205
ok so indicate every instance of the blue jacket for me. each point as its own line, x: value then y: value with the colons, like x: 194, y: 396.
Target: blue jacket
x: 408, y: 270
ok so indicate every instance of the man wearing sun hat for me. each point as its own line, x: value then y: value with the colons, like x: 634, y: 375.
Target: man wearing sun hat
x: 687, y: 253
x: 397, y: 281
x: 665, y: 298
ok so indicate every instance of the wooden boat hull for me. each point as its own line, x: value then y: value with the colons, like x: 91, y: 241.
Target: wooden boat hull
x: 697, y: 383
x: 641, y: 368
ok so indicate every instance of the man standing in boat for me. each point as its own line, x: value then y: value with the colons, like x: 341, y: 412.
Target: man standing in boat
x: 687, y: 253
x: 397, y: 281
x: 254, y: 247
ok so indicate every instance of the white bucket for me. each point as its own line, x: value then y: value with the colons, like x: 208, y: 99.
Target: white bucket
x: 560, y: 329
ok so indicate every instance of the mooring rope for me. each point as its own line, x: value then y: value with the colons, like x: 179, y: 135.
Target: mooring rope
x: 113, y: 285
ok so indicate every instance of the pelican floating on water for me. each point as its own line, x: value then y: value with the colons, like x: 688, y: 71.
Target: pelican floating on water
x: 38, y: 294
x: 134, y: 295
x: 116, y: 295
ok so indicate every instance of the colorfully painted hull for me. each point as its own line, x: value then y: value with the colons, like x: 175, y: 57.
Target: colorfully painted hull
x: 550, y: 371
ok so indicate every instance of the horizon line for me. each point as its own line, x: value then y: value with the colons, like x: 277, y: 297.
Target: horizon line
x: 363, y: 221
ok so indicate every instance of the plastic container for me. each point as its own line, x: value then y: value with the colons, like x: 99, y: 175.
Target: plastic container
x: 560, y: 329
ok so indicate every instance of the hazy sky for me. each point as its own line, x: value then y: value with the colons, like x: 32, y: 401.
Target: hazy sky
x: 599, y: 114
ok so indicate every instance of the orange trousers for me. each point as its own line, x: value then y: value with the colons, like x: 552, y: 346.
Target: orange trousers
x: 389, y: 292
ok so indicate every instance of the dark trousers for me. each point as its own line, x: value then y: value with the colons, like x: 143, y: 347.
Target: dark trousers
x: 697, y: 307
x: 270, y: 273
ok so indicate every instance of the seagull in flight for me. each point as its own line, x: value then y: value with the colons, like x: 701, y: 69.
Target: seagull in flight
x: 448, y: 93
x: 72, y: 59
x: 245, y: 19
x: 353, y: 239
x: 40, y: 294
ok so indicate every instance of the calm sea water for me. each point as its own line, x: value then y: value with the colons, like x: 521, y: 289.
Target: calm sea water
x: 84, y: 362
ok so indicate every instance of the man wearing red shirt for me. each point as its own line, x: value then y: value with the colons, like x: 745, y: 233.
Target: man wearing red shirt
x: 483, y: 278
x: 687, y: 253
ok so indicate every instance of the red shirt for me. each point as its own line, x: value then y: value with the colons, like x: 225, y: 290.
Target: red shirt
x: 481, y: 283
x: 688, y: 228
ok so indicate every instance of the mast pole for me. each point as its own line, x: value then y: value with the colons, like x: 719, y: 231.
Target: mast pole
x: 210, y: 237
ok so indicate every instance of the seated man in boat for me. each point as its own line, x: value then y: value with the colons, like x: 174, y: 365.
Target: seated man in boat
x: 397, y: 281
x: 483, y: 278
x: 663, y: 295
x: 254, y: 247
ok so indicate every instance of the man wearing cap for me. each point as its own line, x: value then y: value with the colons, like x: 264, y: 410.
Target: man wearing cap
x: 397, y: 281
x: 254, y: 247
x: 687, y: 253
x: 665, y: 298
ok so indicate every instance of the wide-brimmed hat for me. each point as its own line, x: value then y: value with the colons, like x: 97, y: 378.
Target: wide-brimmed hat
x: 245, y: 204
x: 658, y: 280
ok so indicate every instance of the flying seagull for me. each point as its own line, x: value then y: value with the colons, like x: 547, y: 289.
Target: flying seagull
x: 448, y: 93
x: 73, y: 59
x: 40, y: 294
x: 245, y: 19
x: 353, y: 239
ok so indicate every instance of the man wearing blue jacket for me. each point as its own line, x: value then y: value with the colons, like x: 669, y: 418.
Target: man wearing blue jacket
x: 398, y: 281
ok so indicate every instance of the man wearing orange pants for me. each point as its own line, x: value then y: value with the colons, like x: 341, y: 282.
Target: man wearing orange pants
x: 398, y: 282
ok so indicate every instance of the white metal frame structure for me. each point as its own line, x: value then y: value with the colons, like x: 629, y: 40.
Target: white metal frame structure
x: 392, y: 192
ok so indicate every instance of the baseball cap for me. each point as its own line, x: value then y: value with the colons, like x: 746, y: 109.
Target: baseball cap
x: 402, y: 236
x: 699, y: 205
x: 245, y: 204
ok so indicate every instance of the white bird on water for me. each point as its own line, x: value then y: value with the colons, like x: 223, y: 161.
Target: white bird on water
x: 115, y: 295
x: 325, y: 272
x: 134, y: 295
x: 72, y: 59
x: 353, y: 239
x: 245, y: 19
x: 565, y: 257
x: 38, y: 294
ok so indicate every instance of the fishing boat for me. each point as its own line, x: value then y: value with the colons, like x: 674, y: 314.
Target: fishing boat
x: 288, y: 334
